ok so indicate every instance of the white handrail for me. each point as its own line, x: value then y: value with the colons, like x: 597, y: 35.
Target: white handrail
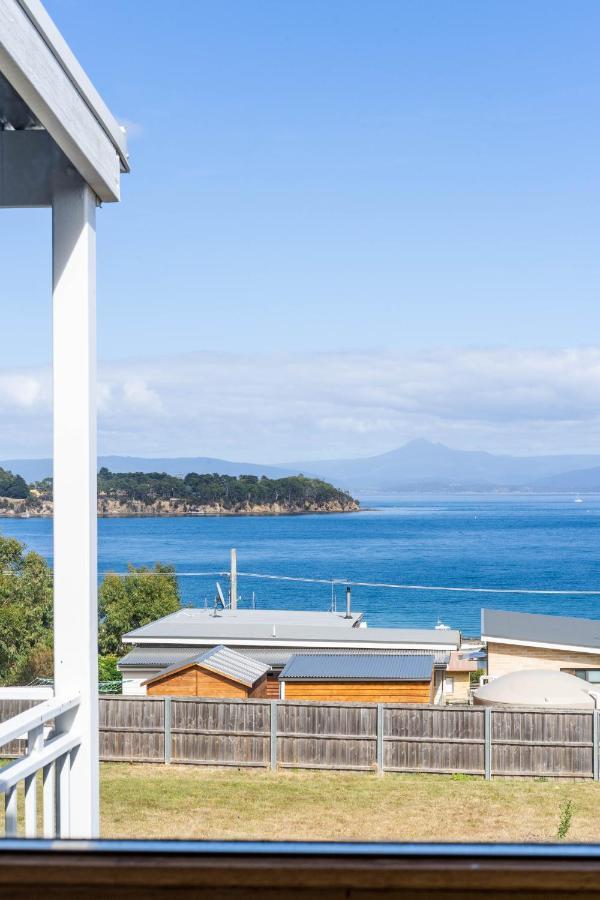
x: 32, y: 718
x: 16, y: 771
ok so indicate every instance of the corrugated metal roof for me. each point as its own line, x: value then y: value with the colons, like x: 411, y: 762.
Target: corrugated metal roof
x: 367, y: 667
x: 565, y: 631
x: 151, y: 657
x: 225, y: 662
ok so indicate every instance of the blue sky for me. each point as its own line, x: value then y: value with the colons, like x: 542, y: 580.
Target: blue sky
x: 322, y: 179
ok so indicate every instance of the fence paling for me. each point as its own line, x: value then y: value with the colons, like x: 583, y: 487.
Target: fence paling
x: 347, y: 736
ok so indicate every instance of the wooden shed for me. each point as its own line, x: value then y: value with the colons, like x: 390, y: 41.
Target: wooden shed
x: 218, y: 672
x: 393, y: 678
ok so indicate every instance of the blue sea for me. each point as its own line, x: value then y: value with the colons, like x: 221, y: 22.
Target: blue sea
x: 535, y: 543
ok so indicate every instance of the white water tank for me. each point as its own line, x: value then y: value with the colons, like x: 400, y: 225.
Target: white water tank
x: 536, y: 687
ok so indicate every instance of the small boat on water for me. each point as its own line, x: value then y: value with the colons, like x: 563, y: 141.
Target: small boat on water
x: 578, y: 499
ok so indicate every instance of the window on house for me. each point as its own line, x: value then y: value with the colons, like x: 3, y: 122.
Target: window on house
x: 591, y: 675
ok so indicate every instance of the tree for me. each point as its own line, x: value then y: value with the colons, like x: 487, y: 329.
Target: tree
x: 129, y: 601
x: 25, y: 614
x: 13, y: 486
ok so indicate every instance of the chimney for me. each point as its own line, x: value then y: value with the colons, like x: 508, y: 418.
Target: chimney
x: 233, y: 580
x: 348, y: 602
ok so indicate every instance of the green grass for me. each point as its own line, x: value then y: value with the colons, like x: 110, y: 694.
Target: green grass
x: 196, y: 802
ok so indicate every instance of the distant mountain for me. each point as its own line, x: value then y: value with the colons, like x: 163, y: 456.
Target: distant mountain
x: 419, y: 465
x: 423, y: 465
x: 37, y: 469
x: 579, y: 481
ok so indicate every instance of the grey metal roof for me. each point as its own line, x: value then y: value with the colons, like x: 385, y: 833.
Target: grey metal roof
x: 565, y: 631
x: 158, y: 657
x: 367, y: 667
x: 195, y: 622
x: 278, y: 626
x: 225, y: 662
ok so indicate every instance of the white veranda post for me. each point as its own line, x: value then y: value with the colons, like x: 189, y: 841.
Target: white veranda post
x: 75, y: 555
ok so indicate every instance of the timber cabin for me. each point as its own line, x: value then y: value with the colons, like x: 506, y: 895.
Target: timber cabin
x: 396, y: 678
x: 219, y: 672
x: 272, y: 637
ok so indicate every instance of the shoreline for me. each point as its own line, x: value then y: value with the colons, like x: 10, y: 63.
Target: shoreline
x: 188, y: 514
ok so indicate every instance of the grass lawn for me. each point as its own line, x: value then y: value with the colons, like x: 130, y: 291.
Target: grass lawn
x: 148, y: 801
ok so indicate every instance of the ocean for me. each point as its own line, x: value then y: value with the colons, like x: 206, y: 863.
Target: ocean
x: 521, y: 542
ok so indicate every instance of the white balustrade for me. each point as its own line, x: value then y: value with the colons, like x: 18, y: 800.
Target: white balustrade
x: 49, y: 751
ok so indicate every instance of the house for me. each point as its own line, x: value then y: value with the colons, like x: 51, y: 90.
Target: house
x: 396, y: 678
x: 219, y: 672
x: 271, y: 637
x: 457, y: 677
x: 517, y: 641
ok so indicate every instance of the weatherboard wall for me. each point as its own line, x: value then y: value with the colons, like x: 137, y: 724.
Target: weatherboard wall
x: 360, y: 691
x: 505, y: 658
x: 193, y: 681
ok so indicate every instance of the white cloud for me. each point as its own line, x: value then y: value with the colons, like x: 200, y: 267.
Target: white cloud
x: 273, y: 407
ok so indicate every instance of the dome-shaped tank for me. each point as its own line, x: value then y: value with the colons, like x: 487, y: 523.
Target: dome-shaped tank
x: 536, y: 687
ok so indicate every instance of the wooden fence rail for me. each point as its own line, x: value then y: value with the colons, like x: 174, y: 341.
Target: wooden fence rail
x: 473, y: 740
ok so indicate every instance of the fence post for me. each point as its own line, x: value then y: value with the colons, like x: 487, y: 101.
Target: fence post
x: 274, y: 705
x: 380, y: 721
x: 487, y: 714
x: 168, y: 719
x: 595, y: 723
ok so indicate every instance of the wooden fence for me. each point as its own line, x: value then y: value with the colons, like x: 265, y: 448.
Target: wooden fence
x: 274, y: 734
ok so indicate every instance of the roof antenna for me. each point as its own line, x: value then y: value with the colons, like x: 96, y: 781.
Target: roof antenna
x: 219, y: 600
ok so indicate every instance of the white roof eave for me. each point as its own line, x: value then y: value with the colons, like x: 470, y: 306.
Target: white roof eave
x: 42, y: 69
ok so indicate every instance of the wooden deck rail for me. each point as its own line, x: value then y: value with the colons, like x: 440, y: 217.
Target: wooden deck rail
x: 227, y: 871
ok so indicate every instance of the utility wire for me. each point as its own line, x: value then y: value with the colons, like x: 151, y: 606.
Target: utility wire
x: 376, y: 584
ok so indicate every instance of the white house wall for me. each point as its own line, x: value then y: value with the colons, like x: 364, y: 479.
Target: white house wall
x: 133, y: 680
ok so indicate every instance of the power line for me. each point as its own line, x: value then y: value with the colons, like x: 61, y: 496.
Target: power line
x: 368, y: 584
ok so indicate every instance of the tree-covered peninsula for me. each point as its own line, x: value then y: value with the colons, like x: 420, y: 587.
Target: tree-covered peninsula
x: 159, y: 494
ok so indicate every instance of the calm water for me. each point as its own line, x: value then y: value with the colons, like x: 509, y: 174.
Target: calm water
x: 550, y: 543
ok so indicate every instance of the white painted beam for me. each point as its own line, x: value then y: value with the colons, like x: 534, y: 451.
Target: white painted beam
x: 75, y: 555
x: 33, y: 65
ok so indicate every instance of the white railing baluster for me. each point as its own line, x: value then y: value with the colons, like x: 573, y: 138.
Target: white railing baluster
x: 49, y: 798
x: 35, y: 742
x: 63, y: 784
x: 50, y: 752
x: 10, y: 812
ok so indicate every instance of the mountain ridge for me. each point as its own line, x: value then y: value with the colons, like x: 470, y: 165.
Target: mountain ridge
x: 419, y: 465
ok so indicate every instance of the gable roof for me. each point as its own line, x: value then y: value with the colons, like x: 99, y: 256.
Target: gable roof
x: 334, y: 667
x: 532, y: 629
x: 223, y: 661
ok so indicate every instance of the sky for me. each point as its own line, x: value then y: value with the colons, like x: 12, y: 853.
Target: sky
x: 348, y: 224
